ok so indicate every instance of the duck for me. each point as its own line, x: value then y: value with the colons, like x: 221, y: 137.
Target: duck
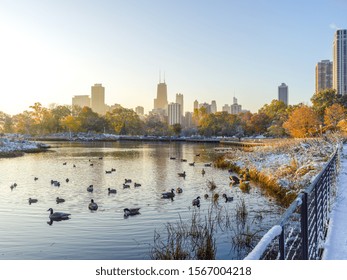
x: 112, y: 190
x: 32, y: 200
x: 64, y: 163
x: 170, y: 194
x: 59, y: 200
x: 137, y: 185
x: 127, y: 181
x: 55, y: 183
x: 92, y: 205
x: 67, y: 180
x: 208, y: 164
x: 196, y: 201
x: 206, y: 196
x: 192, y: 163
x: 173, y: 158
x: 108, y: 172
x: 125, y: 186
x: 183, y: 160
x: 179, y: 190
x: 113, y: 169
x: 203, y: 171
x: 90, y: 188
x: 183, y: 174
x: 35, y: 178
x: 228, y: 198
x: 131, y: 211
x: 58, y: 215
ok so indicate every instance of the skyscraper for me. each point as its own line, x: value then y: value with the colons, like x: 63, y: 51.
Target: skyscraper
x: 235, y: 108
x: 179, y: 100
x: 196, y: 105
x: 324, y: 75
x: 340, y: 61
x: 97, y: 101
x: 283, y: 93
x: 174, y: 114
x: 161, y: 101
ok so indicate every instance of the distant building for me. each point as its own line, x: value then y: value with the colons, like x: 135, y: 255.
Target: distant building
x: 226, y: 108
x: 196, y: 105
x: 188, y: 120
x: 140, y: 110
x: 213, y: 107
x: 324, y: 75
x: 235, y: 108
x: 97, y: 102
x: 179, y: 100
x: 283, y: 93
x: 81, y: 101
x: 113, y: 107
x: 206, y: 106
x: 340, y: 61
x: 174, y: 114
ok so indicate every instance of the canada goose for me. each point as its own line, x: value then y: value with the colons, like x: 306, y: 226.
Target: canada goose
x: 228, y: 198
x: 170, y: 194
x: 59, y: 200
x: 91, y: 164
x: 108, y: 172
x: 90, y: 188
x: 137, y: 185
x: 203, y: 171
x: 234, y: 179
x: 67, y: 180
x: 74, y: 165
x: 192, y: 163
x: 113, y: 169
x: 127, y: 181
x: 32, y: 200
x: 183, y: 174
x: 196, y: 201
x: 179, y: 190
x: 208, y: 164
x: 112, y: 190
x: 183, y: 160
x: 64, y: 163
x: 58, y: 215
x: 131, y: 211
x: 206, y: 196
x: 92, y: 205
x: 125, y: 186
x: 197, y: 155
x: 35, y: 178
x: 173, y: 158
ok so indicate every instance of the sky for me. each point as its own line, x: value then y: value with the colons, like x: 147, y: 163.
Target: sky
x: 208, y: 50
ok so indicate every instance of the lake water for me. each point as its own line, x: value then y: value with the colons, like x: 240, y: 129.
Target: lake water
x: 105, y: 234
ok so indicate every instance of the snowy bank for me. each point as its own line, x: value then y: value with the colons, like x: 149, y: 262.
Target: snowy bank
x: 10, y: 147
x: 292, y: 163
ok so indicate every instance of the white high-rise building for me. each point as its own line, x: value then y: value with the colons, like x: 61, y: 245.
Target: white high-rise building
x: 226, y: 108
x: 283, y: 93
x: 174, y: 114
x: 235, y: 108
x: 340, y: 61
x: 179, y: 100
x: 81, y: 101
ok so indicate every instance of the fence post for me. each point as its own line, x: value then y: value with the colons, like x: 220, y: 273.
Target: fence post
x: 304, y: 226
x: 282, y: 245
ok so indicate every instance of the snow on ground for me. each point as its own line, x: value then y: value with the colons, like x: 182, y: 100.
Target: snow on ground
x: 292, y: 163
x: 335, y: 247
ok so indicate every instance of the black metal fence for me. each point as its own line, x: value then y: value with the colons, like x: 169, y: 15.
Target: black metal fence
x: 301, y: 231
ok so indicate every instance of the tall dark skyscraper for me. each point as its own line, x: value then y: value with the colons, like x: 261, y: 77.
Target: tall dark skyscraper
x: 340, y: 61
x: 161, y: 101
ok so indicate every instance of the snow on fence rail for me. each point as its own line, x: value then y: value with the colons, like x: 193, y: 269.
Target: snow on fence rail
x: 302, y: 229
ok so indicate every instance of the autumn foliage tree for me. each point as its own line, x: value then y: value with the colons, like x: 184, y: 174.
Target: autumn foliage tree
x: 302, y: 122
x: 333, y: 115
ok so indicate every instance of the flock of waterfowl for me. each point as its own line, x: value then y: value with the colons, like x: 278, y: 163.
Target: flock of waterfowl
x: 93, y: 206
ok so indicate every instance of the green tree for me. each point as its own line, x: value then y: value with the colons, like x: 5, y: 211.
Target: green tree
x: 176, y: 129
x: 322, y: 100
x: 125, y: 121
x: 91, y: 121
x: 155, y: 126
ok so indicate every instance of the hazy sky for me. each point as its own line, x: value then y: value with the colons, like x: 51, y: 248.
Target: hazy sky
x: 208, y: 49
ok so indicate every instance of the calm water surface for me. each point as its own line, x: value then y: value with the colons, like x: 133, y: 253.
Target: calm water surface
x: 105, y: 233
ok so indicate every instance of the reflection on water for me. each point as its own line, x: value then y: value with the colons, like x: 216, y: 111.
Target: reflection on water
x: 28, y: 233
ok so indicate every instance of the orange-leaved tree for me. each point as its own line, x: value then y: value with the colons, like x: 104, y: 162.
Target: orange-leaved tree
x: 302, y: 122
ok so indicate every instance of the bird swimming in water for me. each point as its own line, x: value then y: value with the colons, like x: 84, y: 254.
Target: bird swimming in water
x: 131, y: 211
x: 92, y: 205
x: 57, y: 216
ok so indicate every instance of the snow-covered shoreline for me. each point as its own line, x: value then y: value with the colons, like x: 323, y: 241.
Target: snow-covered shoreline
x: 13, y: 147
x: 292, y: 163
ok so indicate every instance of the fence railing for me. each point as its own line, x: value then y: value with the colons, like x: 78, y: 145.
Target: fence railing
x: 301, y: 231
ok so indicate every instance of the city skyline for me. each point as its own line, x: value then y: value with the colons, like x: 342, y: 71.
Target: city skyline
x: 52, y: 51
